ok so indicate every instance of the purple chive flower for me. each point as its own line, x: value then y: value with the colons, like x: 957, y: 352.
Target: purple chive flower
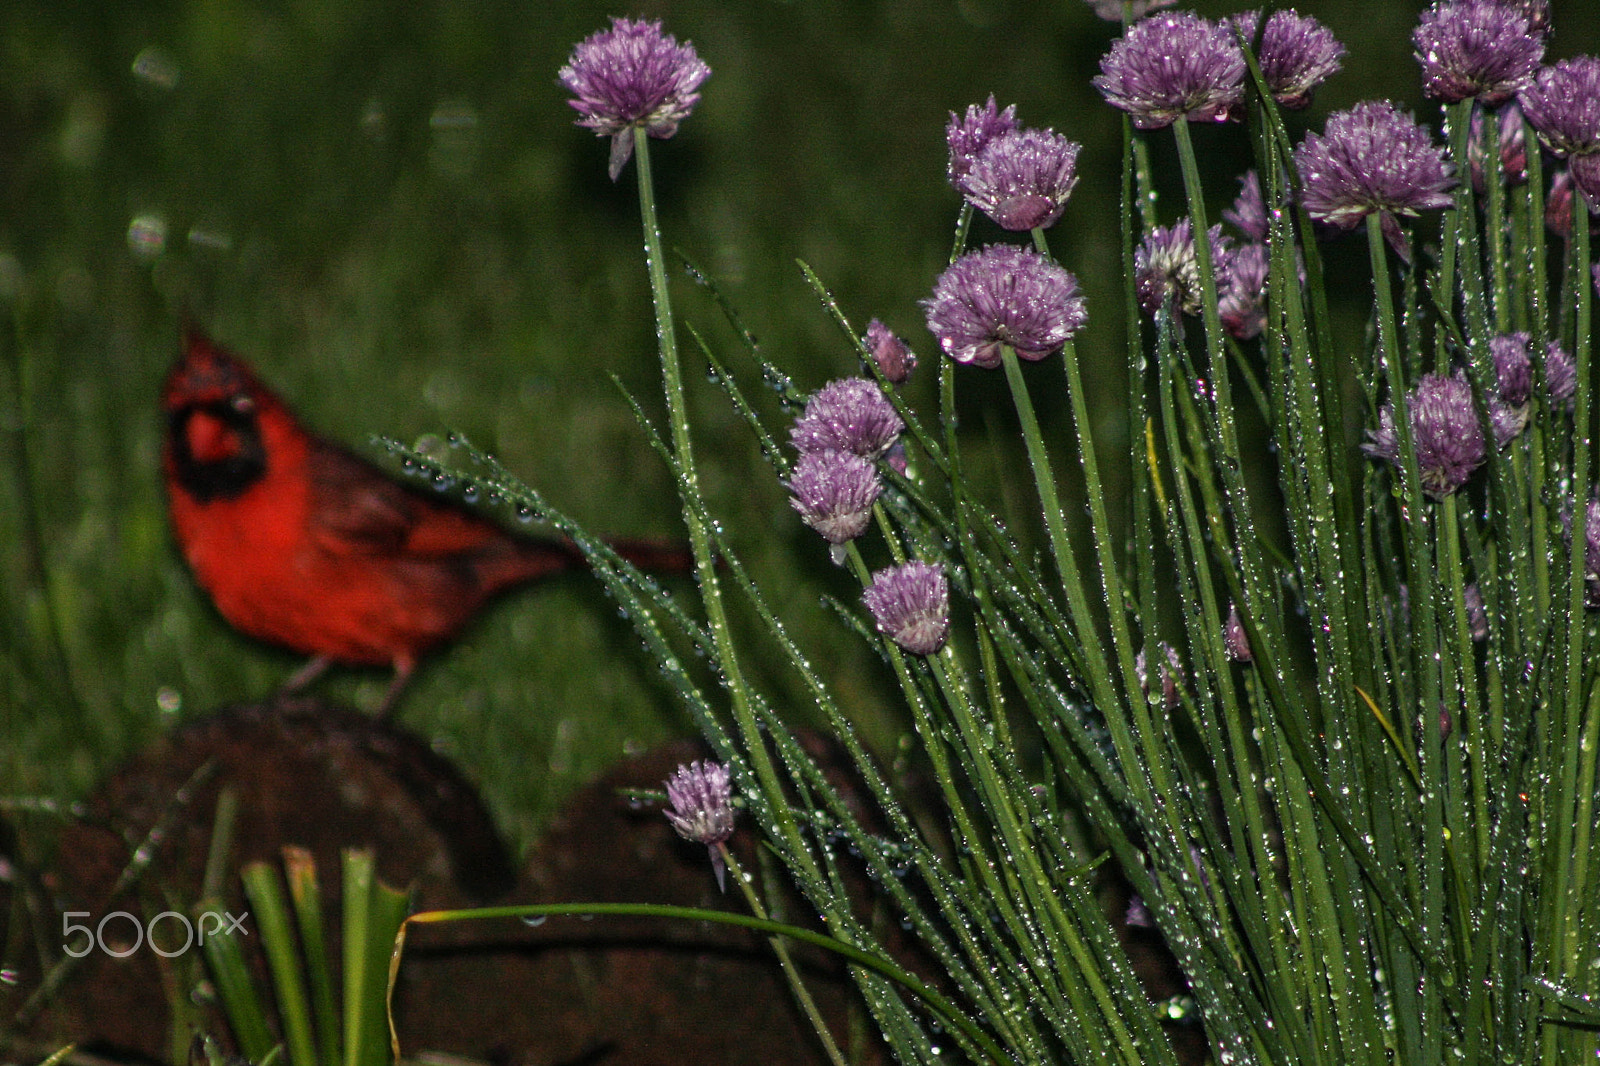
x: 1166, y: 267
x: 1591, y: 552
x: 1513, y: 370
x: 1585, y: 172
x: 1444, y: 429
x: 1591, y: 549
x: 1249, y: 211
x: 1242, y: 299
x: 848, y: 415
x: 1137, y: 916
x: 632, y: 75
x: 1234, y: 638
x: 1171, y: 67
x: 1513, y: 367
x: 968, y: 135
x: 895, y: 360
x: 1197, y: 860
x: 1558, y: 203
x: 1371, y: 159
x: 1563, y: 107
x: 1476, y: 48
x: 1513, y: 141
x: 834, y: 493
x: 1111, y: 10
x: 1560, y: 376
x: 1297, y: 54
x: 1171, y: 675
x: 700, y: 808
x: 1506, y: 421
x: 897, y: 458
x: 911, y: 605
x: 1477, y: 613
x: 1471, y: 598
x: 1003, y: 295
x: 1022, y: 178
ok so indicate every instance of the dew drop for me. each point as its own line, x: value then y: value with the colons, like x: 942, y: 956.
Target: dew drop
x: 147, y: 236
x: 209, y: 239
x: 154, y: 67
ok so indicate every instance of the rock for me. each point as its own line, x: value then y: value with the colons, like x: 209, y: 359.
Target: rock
x: 326, y: 778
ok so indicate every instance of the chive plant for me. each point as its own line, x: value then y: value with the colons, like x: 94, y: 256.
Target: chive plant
x: 1328, y: 707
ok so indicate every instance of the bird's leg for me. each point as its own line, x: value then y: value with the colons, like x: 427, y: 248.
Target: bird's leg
x: 306, y: 674
x: 402, y: 673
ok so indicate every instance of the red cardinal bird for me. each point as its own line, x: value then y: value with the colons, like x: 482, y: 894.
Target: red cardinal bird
x: 301, y: 543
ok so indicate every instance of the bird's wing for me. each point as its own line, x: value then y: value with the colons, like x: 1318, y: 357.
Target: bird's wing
x: 361, y: 510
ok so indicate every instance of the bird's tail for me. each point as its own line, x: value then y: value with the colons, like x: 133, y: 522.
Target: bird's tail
x: 532, y: 560
x: 655, y: 556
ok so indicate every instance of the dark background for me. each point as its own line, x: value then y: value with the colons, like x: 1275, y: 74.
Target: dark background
x: 387, y: 208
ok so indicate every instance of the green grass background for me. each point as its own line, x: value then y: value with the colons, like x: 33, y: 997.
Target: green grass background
x: 387, y: 208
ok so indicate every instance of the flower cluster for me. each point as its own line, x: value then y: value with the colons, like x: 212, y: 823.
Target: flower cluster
x: 1479, y: 49
x: 1371, y: 159
x: 1563, y: 107
x: 1022, y: 178
x: 834, y: 493
x: 846, y: 427
x: 1184, y: 66
x: 1242, y: 291
x: 1249, y: 211
x: 1170, y: 674
x: 1003, y: 295
x: 847, y: 415
x: 1560, y: 376
x: 1445, y: 433
x: 1513, y: 369
x: 1173, y: 66
x: 1512, y: 139
x: 1166, y: 267
x: 1591, y: 552
x: 967, y: 135
x: 911, y: 605
x: 700, y: 808
x: 1558, y: 206
x: 894, y: 359
x: 1245, y: 267
x: 1297, y: 53
x: 629, y: 76
x: 1234, y: 638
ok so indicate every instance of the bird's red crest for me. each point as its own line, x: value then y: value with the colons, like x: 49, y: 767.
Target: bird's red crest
x: 206, y: 374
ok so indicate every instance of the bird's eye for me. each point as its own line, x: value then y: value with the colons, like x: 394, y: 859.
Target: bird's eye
x: 243, y: 404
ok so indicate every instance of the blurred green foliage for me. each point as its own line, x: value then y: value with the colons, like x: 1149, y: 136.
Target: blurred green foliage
x: 387, y: 208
